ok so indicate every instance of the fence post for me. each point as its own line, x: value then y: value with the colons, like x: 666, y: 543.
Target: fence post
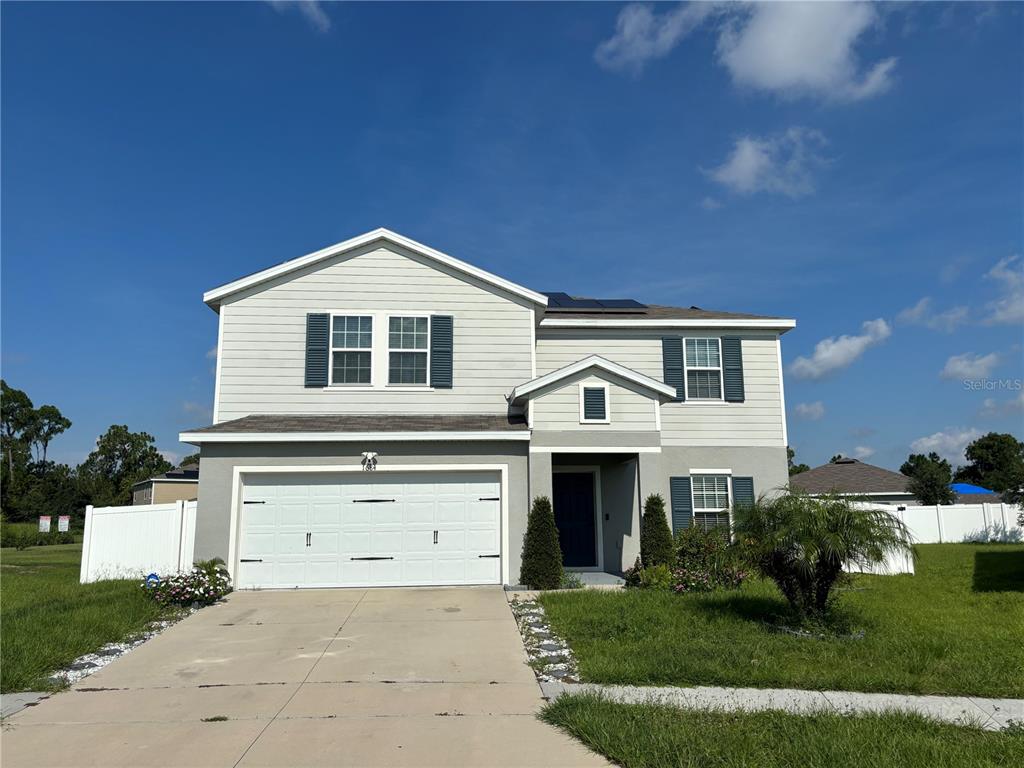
x: 938, y: 519
x: 986, y: 521
x: 86, y: 545
x: 180, y: 506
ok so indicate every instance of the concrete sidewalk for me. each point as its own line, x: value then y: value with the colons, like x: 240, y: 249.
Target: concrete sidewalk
x: 991, y: 714
x: 414, y: 677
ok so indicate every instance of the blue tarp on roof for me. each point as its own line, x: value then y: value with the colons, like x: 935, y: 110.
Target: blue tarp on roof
x: 968, y: 488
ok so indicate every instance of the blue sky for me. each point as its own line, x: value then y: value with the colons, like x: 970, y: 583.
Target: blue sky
x: 856, y: 167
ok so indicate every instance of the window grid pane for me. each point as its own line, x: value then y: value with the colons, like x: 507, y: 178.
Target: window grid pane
x: 702, y: 353
x: 407, y: 368
x: 704, y: 385
x: 407, y: 333
x: 352, y: 332
x: 710, y: 491
x: 351, y: 368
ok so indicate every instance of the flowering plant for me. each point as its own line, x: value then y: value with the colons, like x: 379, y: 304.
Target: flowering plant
x: 205, y: 584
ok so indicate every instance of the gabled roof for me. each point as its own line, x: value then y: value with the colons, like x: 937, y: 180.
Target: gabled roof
x: 850, y: 476
x: 594, y: 361
x: 213, y: 297
x: 186, y: 473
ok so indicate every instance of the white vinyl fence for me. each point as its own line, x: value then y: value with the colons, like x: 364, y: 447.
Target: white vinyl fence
x: 960, y: 523
x: 131, y: 542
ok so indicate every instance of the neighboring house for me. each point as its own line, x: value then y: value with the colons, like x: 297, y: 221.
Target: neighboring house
x: 966, y: 493
x: 851, y: 477
x: 181, y: 484
x: 385, y: 414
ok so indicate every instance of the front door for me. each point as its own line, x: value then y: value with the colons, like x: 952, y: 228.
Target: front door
x: 574, y: 516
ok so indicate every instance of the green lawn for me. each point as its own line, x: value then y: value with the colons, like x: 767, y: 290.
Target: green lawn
x: 954, y: 628
x: 644, y: 735
x: 47, y: 618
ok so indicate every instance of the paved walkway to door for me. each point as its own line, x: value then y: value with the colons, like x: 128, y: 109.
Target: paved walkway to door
x: 401, y: 677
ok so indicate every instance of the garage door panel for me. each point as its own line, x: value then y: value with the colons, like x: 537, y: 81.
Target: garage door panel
x: 390, y: 518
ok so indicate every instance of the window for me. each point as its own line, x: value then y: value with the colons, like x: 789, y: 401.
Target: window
x: 351, y: 342
x: 703, y: 369
x: 710, y: 501
x: 407, y: 350
x: 594, y: 404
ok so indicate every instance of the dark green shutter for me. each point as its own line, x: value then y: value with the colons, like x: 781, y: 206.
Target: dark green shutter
x: 318, y: 334
x: 742, y: 492
x: 442, y: 343
x: 672, y: 362
x: 594, y: 406
x: 681, y: 501
x: 732, y: 368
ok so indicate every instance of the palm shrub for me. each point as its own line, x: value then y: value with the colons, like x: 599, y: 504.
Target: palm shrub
x: 655, y: 537
x: 542, y: 556
x: 802, y: 543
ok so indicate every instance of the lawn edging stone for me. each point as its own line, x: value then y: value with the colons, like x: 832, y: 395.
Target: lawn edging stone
x: 548, y: 655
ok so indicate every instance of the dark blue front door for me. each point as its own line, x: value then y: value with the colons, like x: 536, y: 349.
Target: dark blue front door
x: 574, y: 515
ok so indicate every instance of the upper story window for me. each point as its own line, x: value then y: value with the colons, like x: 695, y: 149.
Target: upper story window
x: 710, y: 500
x: 703, y: 369
x: 351, y: 349
x: 407, y: 350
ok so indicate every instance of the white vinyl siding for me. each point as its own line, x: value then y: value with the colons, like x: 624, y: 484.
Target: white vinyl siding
x: 756, y: 422
x: 561, y: 410
x: 263, y: 342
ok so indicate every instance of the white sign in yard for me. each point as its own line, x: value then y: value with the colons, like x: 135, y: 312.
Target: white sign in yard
x: 63, y: 523
x: 44, y: 523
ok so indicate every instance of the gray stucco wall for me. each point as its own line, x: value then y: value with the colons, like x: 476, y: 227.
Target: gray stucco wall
x: 213, y: 521
x: 768, y: 466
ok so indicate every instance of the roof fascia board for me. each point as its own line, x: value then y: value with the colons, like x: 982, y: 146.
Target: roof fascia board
x: 594, y: 361
x: 782, y: 324
x: 213, y: 296
x: 336, y: 437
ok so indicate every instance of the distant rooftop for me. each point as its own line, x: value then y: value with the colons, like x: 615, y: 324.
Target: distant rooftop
x: 850, y: 476
x: 562, y: 304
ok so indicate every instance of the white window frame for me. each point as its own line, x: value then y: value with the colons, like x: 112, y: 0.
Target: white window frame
x: 388, y: 350
x: 607, y: 403
x: 687, y: 368
x: 727, y: 476
x: 332, y: 349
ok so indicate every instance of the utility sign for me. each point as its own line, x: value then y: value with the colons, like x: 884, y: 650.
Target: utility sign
x: 44, y: 523
x: 63, y: 523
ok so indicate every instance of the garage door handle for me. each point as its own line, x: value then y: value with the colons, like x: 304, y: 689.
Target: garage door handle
x: 250, y: 560
x: 254, y: 502
x: 488, y: 555
x: 371, y: 501
x: 489, y: 498
x: 371, y: 558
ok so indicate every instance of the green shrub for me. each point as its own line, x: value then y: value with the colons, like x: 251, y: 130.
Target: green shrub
x: 571, y: 580
x: 205, y: 584
x: 542, y: 555
x: 25, y: 535
x: 707, y: 560
x: 655, y: 537
x: 656, y: 577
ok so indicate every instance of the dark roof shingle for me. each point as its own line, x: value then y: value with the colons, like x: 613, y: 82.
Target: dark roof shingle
x: 850, y: 476
x: 658, y: 312
x: 382, y: 422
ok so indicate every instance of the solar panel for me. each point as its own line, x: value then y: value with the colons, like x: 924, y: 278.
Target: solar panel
x: 622, y: 304
x: 559, y: 301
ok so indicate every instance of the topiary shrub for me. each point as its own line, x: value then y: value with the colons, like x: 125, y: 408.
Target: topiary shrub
x: 542, y: 555
x: 655, y: 538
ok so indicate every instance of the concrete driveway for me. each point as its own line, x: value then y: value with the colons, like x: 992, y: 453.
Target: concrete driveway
x: 398, y: 677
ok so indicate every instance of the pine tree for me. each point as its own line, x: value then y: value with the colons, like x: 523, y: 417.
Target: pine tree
x: 655, y: 538
x: 542, y: 555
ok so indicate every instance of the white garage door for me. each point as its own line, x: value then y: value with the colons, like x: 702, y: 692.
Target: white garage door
x: 370, y: 529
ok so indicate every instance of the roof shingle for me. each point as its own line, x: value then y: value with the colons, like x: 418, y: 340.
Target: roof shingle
x: 850, y: 476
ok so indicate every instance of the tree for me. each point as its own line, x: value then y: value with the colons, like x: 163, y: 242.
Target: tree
x: 192, y: 458
x: 802, y: 543
x: 542, y: 556
x: 47, y: 424
x: 656, y: 546
x: 930, y: 477
x: 121, y: 458
x: 836, y: 459
x: 17, y: 416
x: 997, y: 463
x: 794, y: 469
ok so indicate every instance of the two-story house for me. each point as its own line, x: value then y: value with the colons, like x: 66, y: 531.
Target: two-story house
x: 385, y: 414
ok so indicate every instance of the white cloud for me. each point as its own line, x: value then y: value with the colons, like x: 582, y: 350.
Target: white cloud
x: 863, y: 452
x: 710, y: 204
x: 784, y: 163
x: 812, y: 411
x: 923, y: 314
x: 804, y: 49
x: 642, y: 35
x: 969, y: 366
x: 992, y: 407
x: 1008, y: 308
x: 789, y: 49
x: 949, y: 444
x: 833, y: 354
x: 311, y: 9
x: 197, y: 409
x: 172, y: 456
x: 211, y: 353
x: 951, y: 270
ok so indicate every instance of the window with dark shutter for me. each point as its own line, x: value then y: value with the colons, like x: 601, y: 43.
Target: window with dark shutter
x: 317, y: 349
x: 732, y: 369
x: 681, y: 502
x: 672, y: 363
x: 442, y: 346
